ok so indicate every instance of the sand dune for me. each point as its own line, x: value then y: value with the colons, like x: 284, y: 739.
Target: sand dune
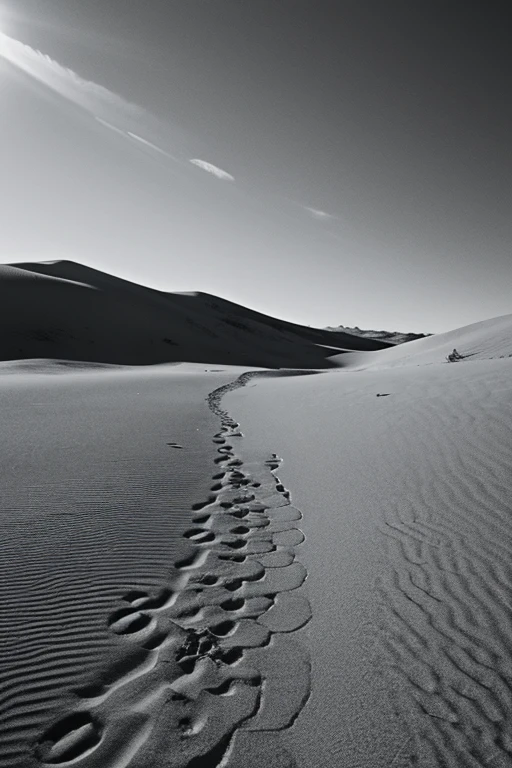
x: 486, y: 340
x: 64, y: 310
x: 221, y: 567
x: 406, y: 504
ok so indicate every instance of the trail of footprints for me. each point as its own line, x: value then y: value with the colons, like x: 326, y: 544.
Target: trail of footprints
x: 209, y: 659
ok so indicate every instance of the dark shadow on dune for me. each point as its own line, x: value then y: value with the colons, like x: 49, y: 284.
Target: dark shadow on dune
x: 67, y: 311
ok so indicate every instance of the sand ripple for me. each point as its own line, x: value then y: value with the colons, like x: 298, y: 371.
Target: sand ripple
x: 212, y: 651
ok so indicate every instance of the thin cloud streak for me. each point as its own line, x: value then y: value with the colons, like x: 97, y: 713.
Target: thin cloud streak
x: 106, y: 106
x: 92, y: 97
x: 213, y: 169
x: 111, y: 127
x: 109, y: 109
x: 317, y: 214
x: 150, y: 145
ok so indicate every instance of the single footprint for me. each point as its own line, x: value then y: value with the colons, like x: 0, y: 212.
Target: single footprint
x: 125, y: 621
x: 233, y: 604
x: 202, y: 504
x: 223, y: 628
x: 141, y: 599
x: 71, y: 738
x: 199, y: 535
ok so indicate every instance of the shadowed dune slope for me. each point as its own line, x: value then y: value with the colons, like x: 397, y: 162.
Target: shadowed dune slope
x: 64, y: 310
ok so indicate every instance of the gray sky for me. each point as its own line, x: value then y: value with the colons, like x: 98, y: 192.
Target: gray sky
x: 327, y: 162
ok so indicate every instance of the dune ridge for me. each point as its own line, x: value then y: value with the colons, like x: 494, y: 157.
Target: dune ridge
x: 64, y: 310
x: 484, y: 340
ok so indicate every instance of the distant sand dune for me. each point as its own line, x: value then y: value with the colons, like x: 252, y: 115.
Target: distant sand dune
x: 485, y: 340
x: 64, y: 310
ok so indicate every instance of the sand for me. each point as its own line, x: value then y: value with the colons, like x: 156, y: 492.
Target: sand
x: 402, y: 474
x: 68, y: 311
x: 96, y: 494
x: 203, y: 566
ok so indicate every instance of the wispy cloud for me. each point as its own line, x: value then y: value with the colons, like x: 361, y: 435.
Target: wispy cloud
x: 111, y: 127
x: 150, y: 145
x: 317, y: 214
x: 209, y: 168
x: 91, y: 96
x: 110, y: 109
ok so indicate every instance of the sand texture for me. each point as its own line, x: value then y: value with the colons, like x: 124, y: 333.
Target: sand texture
x: 96, y: 494
x: 218, y: 567
x: 403, y: 478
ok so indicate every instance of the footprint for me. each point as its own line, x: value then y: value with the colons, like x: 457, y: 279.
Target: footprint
x: 233, y: 558
x: 238, y: 544
x: 152, y: 603
x: 73, y: 737
x: 135, y: 595
x: 223, y: 628
x: 189, y: 612
x: 232, y: 655
x: 199, y: 535
x: 125, y: 622
x: 201, y: 519
x: 240, y: 513
x: 233, y: 604
x: 221, y: 690
x: 188, y: 664
x: 209, y: 579
x: 202, y: 504
x: 233, y: 584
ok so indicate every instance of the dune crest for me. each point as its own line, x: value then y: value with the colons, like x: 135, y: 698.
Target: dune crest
x: 64, y: 310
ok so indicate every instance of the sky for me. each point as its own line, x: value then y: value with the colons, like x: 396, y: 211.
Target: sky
x: 328, y: 162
